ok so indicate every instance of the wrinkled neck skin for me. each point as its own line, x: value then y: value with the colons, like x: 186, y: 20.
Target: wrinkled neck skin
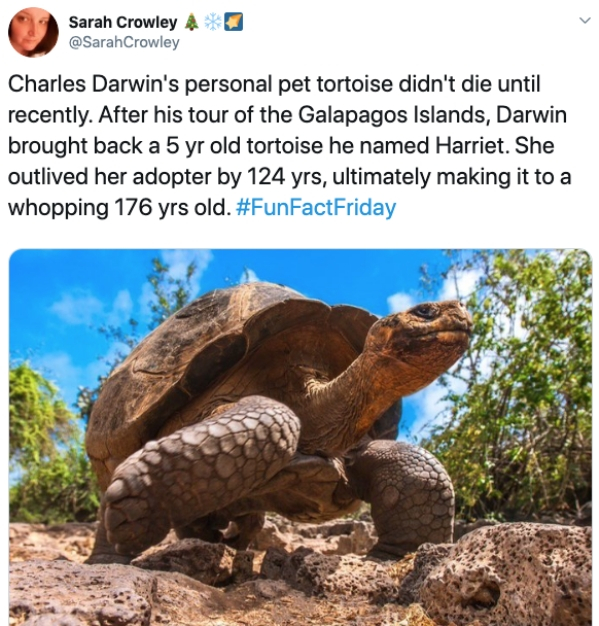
x: 344, y: 409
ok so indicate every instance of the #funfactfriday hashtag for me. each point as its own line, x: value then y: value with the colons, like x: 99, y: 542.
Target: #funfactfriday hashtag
x: 356, y: 207
x: 243, y: 206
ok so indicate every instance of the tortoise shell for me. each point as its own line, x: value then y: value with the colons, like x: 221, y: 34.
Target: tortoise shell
x: 268, y: 327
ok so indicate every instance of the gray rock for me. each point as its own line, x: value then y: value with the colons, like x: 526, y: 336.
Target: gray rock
x: 520, y: 574
x: 318, y: 574
x: 338, y: 537
x: 62, y: 593
x: 354, y: 537
x: 509, y: 574
x: 210, y: 563
x: 270, y: 537
x: 429, y: 555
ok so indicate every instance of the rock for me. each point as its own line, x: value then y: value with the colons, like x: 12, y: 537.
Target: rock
x: 59, y: 541
x: 428, y: 556
x: 270, y: 537
x: 210, y: 563
x: 61, y: 593
x: 516, y: 574
x: 243, y: 566
x: 336, y: 527
x: 354, y: 538
x: 519, y: 574
x: 337, y: 537
x: 324, y: 575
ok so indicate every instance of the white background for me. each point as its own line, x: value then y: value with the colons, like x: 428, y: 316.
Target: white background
x: 332, y: 39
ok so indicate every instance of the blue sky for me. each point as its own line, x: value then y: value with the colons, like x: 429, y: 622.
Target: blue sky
x: 59, y: 298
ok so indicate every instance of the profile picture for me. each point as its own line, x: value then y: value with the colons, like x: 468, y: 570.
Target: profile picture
x: 33, y: 32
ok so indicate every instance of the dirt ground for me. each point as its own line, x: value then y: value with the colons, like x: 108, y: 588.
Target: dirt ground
x: 179, y: 600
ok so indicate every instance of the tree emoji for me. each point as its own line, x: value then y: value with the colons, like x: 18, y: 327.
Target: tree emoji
x: 191, y: 22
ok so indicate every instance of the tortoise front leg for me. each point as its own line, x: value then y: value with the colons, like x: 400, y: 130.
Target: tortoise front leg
x: 104, y: 551
x: 410, y: 492
x: 198, y: 469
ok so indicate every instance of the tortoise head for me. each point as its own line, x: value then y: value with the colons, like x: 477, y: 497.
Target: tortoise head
x: 422, y: 342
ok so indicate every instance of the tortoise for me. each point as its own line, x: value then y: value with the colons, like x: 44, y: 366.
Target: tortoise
x: 256, y: 399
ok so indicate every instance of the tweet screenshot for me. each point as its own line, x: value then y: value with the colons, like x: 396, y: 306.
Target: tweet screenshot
x: 299, y: 312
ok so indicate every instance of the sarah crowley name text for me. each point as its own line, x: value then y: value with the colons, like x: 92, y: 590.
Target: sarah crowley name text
x: 123, y: 22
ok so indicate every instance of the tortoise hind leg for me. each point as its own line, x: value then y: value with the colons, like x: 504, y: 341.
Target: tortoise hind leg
x: 243, y: 529
x: 236, y: 531
x: 410, y: 492
x: 208, y: 528
x: 198, y: 469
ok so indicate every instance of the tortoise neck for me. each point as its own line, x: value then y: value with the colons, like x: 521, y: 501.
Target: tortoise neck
x: 345, y: 408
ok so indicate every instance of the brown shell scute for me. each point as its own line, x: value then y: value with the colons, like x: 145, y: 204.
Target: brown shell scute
x: 190, y: 351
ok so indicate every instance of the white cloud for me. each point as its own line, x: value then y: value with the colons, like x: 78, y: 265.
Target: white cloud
x: 430, y: 408
x: 83, y: 308
x: 248, y: 276
x: 460, y: 285
x: 146, y: 297
x: 457, y: 287
x: 122, y: 302
x: 400, y: 302
x: 115, y: 353
x: 122, y: 309
x: 179, y: 260
x: 59, y: 369
x: 427, y: 406
x: 78, y: 308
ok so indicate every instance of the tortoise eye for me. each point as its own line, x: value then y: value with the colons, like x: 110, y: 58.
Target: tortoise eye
x: 425, y: 311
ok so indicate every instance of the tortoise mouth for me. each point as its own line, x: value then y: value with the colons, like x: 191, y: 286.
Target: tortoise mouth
x: 453, y: 336
x: 428, y: 343
x: 448, y: 332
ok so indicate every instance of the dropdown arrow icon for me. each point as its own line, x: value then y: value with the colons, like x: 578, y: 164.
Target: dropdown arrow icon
x: 585, y: 21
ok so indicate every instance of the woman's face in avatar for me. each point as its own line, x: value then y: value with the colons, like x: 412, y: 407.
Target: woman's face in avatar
x: 28, y: 28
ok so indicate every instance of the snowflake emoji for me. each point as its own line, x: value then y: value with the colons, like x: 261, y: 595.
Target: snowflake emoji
x: 213, y: 21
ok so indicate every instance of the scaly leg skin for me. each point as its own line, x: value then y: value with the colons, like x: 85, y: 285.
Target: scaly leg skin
x: 236, y: 531
x: 104, y: 551
x: 244, y: 529
x: 199, y: 469
x: 209, y: 528
x: 410, y: 492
